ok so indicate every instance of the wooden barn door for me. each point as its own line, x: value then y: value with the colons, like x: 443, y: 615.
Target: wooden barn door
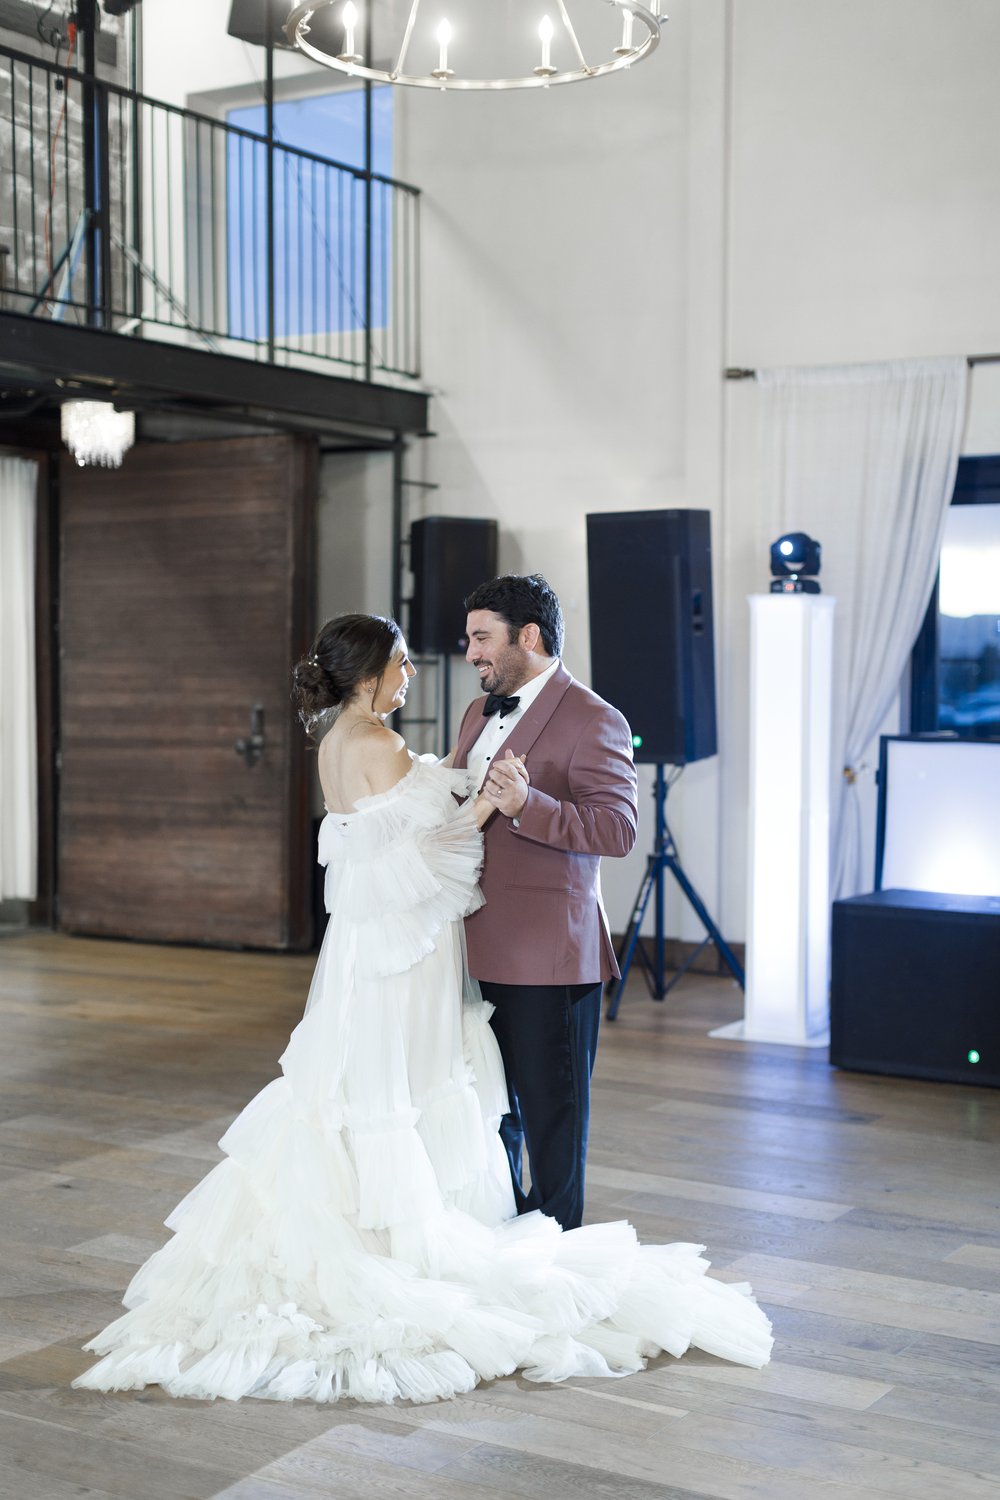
x: 186, y: 589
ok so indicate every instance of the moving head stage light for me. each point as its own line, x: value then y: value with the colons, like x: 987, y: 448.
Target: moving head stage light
x: 794, y: 564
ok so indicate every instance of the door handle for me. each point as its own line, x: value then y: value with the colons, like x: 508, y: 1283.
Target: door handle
x: 252, y: 746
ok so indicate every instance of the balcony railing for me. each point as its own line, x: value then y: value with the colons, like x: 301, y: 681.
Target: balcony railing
x: 148, y: 220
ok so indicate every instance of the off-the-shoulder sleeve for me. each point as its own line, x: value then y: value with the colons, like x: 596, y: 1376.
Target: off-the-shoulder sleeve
x: 411, y: 866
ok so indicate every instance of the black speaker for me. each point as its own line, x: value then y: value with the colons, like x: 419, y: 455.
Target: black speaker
x: 915, y: 986
x: 652, y: 650
x: 260, y: 21
x: 449, y: 556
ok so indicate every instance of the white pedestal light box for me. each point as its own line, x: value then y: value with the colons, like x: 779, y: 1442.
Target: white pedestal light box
x: 788, y: 917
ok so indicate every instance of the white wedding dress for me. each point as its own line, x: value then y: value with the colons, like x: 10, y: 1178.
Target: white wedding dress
x: 359, y: 1238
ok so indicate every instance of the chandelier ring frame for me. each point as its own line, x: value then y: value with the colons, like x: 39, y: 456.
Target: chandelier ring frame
x: 297, y: 29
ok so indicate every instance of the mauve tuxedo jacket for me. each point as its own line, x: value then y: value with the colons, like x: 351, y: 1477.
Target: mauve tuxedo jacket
x: 543, y: 922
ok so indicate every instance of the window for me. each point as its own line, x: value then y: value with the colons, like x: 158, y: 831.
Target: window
x: 320, y: 218
x: 955, y: 677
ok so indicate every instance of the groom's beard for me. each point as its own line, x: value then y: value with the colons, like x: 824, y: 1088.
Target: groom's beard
x: 507, y: 673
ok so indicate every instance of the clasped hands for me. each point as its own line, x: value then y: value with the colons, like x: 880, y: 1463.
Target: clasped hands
x: 506, y: 785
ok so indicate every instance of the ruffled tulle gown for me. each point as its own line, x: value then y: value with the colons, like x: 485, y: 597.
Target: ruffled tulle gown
x: 359, y: 1237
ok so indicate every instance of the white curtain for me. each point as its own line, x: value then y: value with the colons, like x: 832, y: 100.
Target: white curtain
x: 863, y: 458
x: 18, y: 768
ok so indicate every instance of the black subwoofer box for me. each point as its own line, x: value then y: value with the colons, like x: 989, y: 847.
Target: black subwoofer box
x: 449, y: 557
x: 915, y: 986
x: 652, y: 651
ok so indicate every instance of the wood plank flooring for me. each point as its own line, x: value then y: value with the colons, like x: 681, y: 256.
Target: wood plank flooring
x: 863, y: 1210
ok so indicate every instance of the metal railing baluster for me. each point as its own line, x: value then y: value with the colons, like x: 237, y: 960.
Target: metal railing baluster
x: 13, y: 183
x: 205, y: 258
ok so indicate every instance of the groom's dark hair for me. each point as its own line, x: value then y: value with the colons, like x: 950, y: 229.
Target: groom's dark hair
x: 523, y: 599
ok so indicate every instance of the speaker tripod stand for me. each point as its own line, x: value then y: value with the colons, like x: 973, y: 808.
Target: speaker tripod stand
x: 663, y: 859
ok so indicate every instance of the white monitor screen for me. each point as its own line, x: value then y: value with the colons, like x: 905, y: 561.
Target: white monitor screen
x: 942, y: 817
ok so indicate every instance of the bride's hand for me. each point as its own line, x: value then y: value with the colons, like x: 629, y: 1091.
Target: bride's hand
x: 484, y: 809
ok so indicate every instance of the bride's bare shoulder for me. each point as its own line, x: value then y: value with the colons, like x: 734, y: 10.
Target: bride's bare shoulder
x: 380, y: 754
x: 361, y: 762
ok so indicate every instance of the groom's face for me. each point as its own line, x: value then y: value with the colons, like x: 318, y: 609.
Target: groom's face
x: 503, y: 665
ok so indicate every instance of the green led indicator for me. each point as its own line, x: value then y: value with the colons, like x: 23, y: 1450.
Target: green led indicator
x: 973, y: 1056
x: 637, y: 742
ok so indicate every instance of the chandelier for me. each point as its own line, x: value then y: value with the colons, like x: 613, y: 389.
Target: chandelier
x: 554, y: 52
x: 95, y: 433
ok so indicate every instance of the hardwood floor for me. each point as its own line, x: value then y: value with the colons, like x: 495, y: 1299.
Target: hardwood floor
x: 863, y: 1210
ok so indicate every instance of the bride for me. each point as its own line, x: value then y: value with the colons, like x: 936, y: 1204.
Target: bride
x: 359, y: 1239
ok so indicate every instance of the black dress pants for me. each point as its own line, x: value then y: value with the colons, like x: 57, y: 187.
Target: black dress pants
x: 548, y: 1040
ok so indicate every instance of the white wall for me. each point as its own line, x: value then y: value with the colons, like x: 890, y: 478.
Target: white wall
x: 865, y: 202
x: 982, y: 426
x: 783, y: 182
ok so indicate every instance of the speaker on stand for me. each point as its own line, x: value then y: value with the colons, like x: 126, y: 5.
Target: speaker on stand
x: 449, y: 557
x: 652, y: 654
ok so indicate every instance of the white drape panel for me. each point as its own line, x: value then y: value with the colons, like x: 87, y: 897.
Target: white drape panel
x: 18, y: 767
x: 863, y: 458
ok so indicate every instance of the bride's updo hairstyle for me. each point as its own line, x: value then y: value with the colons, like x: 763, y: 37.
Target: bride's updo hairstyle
x: 348, y: 651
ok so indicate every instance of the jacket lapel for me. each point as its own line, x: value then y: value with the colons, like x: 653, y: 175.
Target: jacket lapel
x: 531, y: 723
x: 527, y: 729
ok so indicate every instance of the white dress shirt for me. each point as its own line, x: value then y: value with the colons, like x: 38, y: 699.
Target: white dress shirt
x: 498, y: 726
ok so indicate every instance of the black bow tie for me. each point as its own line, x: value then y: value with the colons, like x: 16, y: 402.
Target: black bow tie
x: 502, y: 706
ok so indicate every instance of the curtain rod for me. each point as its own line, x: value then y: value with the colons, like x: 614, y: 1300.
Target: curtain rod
x: 734, y: 372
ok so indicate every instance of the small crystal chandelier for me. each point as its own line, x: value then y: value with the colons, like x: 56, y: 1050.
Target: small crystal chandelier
x: 434, y: 39
x: 95, y: 433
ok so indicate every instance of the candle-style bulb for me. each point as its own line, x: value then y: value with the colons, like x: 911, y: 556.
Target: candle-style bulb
x: 442, y: 71
x: 545, y: 70
x: 627, y: 46
x: 349, y: 17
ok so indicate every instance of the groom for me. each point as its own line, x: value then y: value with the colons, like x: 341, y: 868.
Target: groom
x: 540, y: 947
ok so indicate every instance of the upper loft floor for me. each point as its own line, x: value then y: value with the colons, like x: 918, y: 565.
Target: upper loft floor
x: 207, y: 255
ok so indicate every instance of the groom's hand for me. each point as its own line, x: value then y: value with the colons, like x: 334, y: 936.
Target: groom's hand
x: 507, y: 784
